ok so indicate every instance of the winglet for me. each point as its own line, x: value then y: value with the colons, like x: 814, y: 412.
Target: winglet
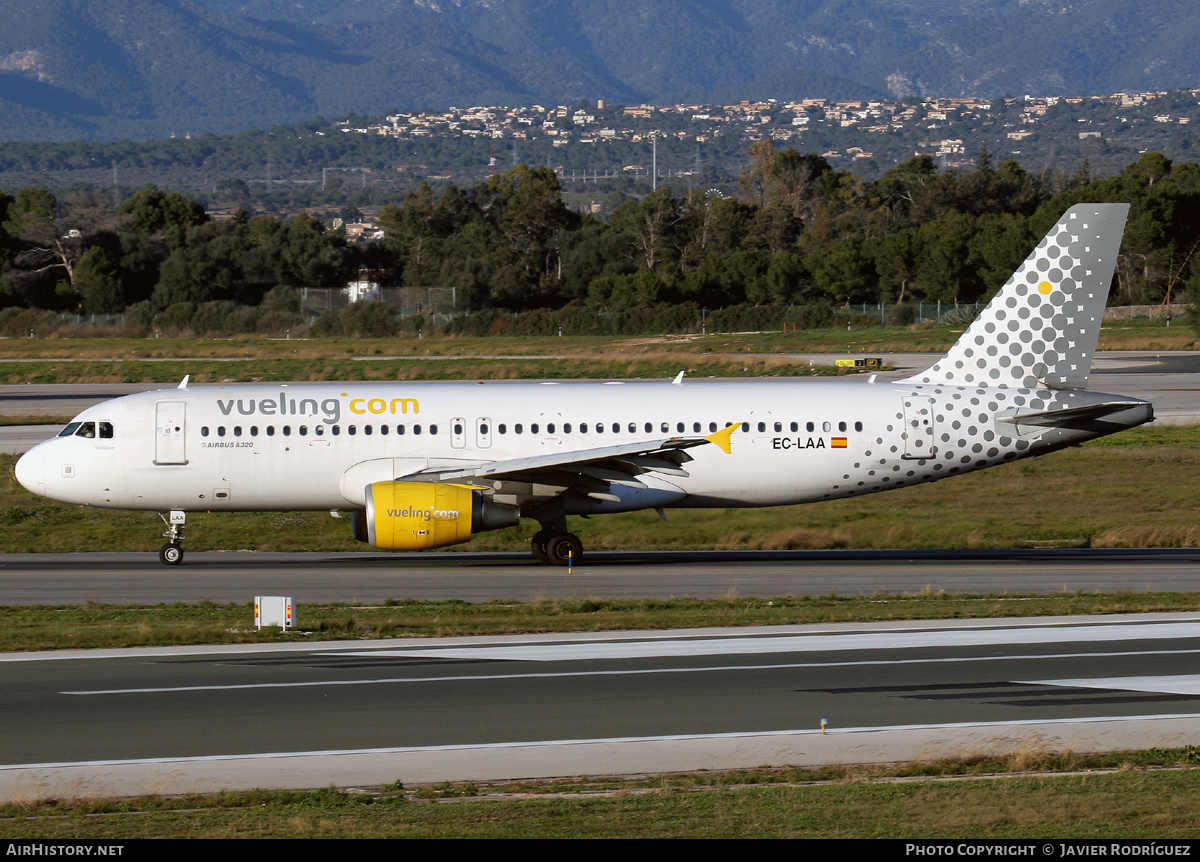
x: 183, y: 383
x: 721, y: 438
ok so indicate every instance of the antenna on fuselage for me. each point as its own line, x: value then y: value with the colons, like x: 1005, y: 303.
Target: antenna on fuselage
x: 183, y: 382
x: 678, y: 381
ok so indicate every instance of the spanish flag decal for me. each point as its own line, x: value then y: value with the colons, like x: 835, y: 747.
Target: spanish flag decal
x: 837, y: 443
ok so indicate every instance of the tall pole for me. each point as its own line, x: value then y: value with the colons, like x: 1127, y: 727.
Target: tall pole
x: 654, y: 162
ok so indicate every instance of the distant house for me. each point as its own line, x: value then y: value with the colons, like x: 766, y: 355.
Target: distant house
x: 363, y: 288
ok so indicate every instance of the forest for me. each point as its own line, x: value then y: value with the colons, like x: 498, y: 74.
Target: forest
x: 799, y: 242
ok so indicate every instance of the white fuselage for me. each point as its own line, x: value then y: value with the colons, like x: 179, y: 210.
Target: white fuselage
x: 317, y: 446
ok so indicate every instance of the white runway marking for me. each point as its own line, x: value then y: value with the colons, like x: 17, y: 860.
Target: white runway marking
x: 1181, y: 684
x: 689, y: 647
x: 551, y: 743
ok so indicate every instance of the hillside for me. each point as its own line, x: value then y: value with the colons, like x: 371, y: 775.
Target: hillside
x: 144, y: 68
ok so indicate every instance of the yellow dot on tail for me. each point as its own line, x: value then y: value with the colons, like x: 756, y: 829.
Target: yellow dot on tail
x: 1045, y: 287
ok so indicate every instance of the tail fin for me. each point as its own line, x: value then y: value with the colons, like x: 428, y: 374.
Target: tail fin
x: 1041, y: 328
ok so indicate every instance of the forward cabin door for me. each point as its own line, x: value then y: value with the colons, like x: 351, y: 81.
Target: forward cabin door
x: 170, y: 426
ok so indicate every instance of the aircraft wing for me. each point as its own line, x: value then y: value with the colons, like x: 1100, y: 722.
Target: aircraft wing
x: 589, y: 471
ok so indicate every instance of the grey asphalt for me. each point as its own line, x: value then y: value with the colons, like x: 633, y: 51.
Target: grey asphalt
x: 190, y: 719
x: 374, y: 577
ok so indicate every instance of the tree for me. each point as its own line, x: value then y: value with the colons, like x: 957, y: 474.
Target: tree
x: 163, y: 214
x: 98, y: 284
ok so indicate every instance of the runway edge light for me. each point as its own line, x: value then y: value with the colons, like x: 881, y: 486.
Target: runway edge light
x: 275, y: 611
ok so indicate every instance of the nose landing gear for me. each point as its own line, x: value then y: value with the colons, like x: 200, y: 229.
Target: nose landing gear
x: 171, y: 554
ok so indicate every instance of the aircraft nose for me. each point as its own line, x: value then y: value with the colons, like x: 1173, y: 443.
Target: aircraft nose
x: 31, y: 471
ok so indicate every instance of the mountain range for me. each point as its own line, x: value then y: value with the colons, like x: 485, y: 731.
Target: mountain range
x: 78, y: 69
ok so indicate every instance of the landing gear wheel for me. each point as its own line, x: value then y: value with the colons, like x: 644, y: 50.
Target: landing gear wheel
x: 564, y: 549
x: 538, y: 545
x: 171, y: 554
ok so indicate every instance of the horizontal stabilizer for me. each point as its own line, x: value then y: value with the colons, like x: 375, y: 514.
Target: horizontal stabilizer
x: 1070, y: 416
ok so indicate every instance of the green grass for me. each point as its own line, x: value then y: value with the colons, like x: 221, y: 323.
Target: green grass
x: 95, y: 626
x: 1147, y: 795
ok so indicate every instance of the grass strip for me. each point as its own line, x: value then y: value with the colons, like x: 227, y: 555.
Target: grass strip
x: 1028, y: 794
x: 93, y: 626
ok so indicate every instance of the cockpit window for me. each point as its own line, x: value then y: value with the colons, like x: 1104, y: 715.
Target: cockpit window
x: 106, y: 430
x: 86, y: 429
x: 70, y: 429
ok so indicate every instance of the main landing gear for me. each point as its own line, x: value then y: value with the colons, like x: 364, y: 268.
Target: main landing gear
x: 557, y: 547
x: 171, y: 554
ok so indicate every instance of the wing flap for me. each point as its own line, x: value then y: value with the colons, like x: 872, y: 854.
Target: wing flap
x: 600, y: 464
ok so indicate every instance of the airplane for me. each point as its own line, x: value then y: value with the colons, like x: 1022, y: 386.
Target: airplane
x: 425, y: 465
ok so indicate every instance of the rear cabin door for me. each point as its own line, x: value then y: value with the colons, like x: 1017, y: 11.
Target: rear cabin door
x: 918, y: 428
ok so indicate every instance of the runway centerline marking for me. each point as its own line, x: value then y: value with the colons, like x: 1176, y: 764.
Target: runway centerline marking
x: 628, y: 672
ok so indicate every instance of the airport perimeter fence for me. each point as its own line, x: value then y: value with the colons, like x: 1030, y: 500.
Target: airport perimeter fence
x: 432, y: 308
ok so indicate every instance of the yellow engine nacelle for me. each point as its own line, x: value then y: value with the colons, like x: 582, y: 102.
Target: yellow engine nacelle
x: 415, y: 516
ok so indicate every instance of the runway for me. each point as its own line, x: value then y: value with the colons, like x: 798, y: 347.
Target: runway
x: 118, y: 722
x: 375, y: 577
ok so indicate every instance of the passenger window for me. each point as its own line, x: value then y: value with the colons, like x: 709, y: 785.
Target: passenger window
x: 303, y: 430
x: 857, y: 426
x: 270, y: 430
x: 336, y: 430
x: 350, y: 429
x: 383, y: 430
x: 253, y: 430
x: 220, y: 430
x: 746, y: 426
x: 795, y: 426
x: 400, y: 430
x: 368, y: 430
x: 762, y: 426
x: 566, y: 427
x: 632, y: 428
x: 712, y: 426
x: 237, y: 430
x: 550, y: 428
x: 825, y: 426
x: 416, y: 429
x: 841, y: 426
x: 533, y: 429
x: 666, y: 429
x: 582, y: 427
x: 287, y: 430
x: 502, y: 428
x: 679, y: 428
x: 319, y: 430
x: 649, y: 427
x: 695, y: 427
x: 808, y: 426
x: 616, y: 427
x: 599, y: 427
x: 778, y: 426
x: 204, y: 431
x: 518, y: 429
x: 432, y: 429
